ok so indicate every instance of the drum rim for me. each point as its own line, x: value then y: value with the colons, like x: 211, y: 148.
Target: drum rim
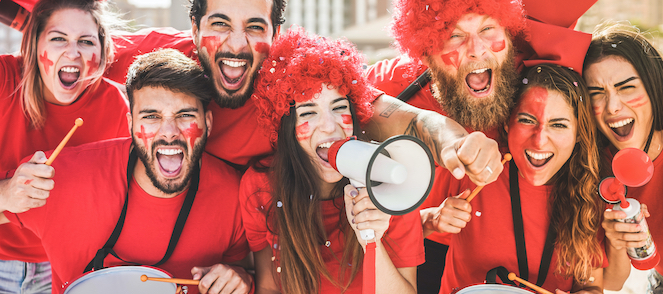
x: 493, y: 287
x: 146, y: 270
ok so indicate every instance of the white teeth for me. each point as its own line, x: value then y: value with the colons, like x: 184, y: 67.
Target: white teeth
x: 169, y: 151
x: 234, y: 63
x: 69, y: 69
x: 478, y: 71
x: 325, y: 145
x: 538, y: 156
x: 620, y: 123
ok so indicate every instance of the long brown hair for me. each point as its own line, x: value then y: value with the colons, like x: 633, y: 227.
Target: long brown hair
x: 298, y: 222
x: 575, y: 209
x: 32, y: 97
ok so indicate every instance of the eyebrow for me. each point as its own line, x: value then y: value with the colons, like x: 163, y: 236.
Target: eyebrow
x: 309, y: 104
x: 62, y: 33
x: 259, y: 20
x: 219, y: 15
x: 625, y: 81
x: 183, y: 110
x: 559, y: 119
x: 339, y: 99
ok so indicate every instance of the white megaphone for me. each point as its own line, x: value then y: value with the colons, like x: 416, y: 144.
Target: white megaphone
x: 398, y: 174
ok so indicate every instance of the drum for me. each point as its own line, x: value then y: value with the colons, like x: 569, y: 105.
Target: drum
x: 121, y: 279
x: 492, y: 289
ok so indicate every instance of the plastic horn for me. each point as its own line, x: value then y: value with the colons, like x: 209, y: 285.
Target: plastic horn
x: 77, y: 123
x: 536, y: 288
x: 476, y: 190
x: 145, y: 278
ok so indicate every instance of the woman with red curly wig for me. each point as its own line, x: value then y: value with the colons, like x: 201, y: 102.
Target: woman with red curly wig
x: 304, y: 232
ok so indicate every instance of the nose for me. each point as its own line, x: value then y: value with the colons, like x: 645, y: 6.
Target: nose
x: 237, y: 41
x: 71, y: 51
x: 540, y: 137
x: 613, y: 103
x: 475, y: 47
x: 169, y: 129
x: 328, y: 122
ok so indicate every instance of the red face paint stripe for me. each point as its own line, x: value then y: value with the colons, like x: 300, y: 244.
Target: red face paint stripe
x: 347, y: 119
x: 193, y: 132
x: 27, y: 182
x: 45, y: 61
x: 93, y: 65
x: 498, y: 46
x: 450, y: 58
x: 262, y: 48
x: 643, y: 103
x: 302, y: 131
x: 211, y: 44
x: 144, y: 136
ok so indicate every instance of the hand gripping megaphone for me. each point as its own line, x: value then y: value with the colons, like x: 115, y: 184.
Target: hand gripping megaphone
x: 398, y: 174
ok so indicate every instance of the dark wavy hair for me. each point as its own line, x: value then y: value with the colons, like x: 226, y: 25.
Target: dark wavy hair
x: 198, y: 9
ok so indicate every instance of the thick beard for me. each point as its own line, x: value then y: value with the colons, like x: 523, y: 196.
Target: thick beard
x: 170, y: 187
x: 478, y: 114
x: 225, y: 98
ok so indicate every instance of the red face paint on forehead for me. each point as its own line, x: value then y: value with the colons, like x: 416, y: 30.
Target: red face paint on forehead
x: 143, y: 135
x: 262, y: 48
x: 211, y: 44
x: 45, y: 61
x: 498, y: 46
x: 347, y: 119
x: 451, y: 58
x: 193, y: 132
x: 637, y: 102
x: 534, y: 102
x: 302, y: 131
x: 92, y: 64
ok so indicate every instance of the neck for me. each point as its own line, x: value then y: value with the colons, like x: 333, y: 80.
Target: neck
x: 326, y: 189
x: 656, y: 145
x: 140, y: 174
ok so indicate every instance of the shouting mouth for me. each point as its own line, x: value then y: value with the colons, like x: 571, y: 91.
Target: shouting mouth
x: 69, y: 75
x: 323, y: 151
x: 622, y: 128
x: 233, y: 72
x: 479, y: 81
x: 538, y: 159
x: 170, y: 161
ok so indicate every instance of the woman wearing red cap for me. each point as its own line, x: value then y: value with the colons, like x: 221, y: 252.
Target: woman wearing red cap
x: 303, y: 231
x: 624, y: 72
x: 57, y: 78
x: 540, y: 218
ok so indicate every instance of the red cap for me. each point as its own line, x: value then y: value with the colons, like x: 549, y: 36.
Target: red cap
x: 563, y: 13
x: 333, y: 150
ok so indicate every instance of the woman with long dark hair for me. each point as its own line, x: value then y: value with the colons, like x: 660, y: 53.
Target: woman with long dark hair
x: 305, y: 235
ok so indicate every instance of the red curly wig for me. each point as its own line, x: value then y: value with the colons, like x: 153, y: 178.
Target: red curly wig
x: 421, y: 27
x: 297, y: 66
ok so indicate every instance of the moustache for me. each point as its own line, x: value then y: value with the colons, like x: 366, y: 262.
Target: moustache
x: 243, y: 55
x: 173, y: 143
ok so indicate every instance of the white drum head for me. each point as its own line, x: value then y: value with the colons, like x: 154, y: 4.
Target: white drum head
x: 121, y: 279
x: 492, y: 289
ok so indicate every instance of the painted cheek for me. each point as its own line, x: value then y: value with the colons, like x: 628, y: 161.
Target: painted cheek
x: 303, y: 131
x: 498, y: 46
x: 193, y: 132
x: 92, y: 64
x: 637, y: 102
x: 145, y: 136
x: 262, y: 48
x: 451, y: 58
x: 45, y: 61
x: 347, y: 123
x: 597, y: 110
x: 211, y: 44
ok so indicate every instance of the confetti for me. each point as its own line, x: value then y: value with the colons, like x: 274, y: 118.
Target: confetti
x: 525, y: 81
x: 279, y: 204
x: 478, y: 213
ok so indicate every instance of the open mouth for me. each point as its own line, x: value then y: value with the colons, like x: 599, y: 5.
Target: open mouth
x: 479, y: 81
x: 69, y: 76
x: 623, y: 127
x: 170, y: 161
x: 233, y: 72
x: 538, y: 159
x: 323, y: 151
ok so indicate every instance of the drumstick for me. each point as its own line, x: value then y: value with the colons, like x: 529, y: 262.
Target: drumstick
x: 77, y: 123
x: 476, y: 190
x: 145, y: 278
x: 513, y: 277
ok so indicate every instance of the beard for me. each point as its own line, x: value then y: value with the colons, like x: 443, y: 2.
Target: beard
x: 232, y: 99
x: 170, y: 186
x: 479, y: 114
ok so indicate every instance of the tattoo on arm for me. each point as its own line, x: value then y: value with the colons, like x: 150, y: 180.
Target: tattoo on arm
x: 424, y: 134
x: 390, y: 110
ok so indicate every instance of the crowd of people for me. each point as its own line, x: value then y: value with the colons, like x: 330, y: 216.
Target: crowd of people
x: 206, y: 153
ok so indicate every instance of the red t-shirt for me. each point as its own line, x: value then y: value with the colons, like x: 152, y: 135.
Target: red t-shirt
x: 104, y: 115
x: 650, y: 194
x: 84, y: 206
x: 488, y: 239
x: 236, y: 136
x: 404, y: 239
x: 394, y: 75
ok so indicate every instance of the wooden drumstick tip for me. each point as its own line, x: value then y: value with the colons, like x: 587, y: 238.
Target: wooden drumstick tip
x: 511, y: 276
x: 507, y: 157
x: 78, y: 122
x: 143, y: 278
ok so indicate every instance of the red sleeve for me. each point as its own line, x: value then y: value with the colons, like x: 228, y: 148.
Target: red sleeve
x: 390, y: 75
x: 404, y: 240
x: 254, y: 201
x: 128, y: 46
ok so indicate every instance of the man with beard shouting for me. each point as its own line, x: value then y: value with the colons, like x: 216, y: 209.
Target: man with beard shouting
x: 174, y: 205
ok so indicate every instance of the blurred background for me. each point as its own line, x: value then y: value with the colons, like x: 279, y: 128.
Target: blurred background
x: 363, y: 22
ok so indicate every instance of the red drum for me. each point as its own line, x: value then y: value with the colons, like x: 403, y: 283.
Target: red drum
x: 491, y: 289
x: 121, y: 279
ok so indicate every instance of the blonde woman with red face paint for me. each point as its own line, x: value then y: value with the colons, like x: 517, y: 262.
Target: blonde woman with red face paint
x: 55, y: 79
x: 624, y: 73
x: 543, y: 206
x: 303, y: 230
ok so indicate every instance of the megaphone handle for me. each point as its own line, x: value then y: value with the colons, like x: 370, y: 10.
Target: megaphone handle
x: 368, y: 234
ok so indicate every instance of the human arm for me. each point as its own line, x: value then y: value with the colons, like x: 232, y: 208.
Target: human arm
x: 13, y: 15
x: 29, y: 187
x: 450, y: 217
x: 223, y: 278
x: 265, y: 283
x: 362, y: 214
x: 452, y: 147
